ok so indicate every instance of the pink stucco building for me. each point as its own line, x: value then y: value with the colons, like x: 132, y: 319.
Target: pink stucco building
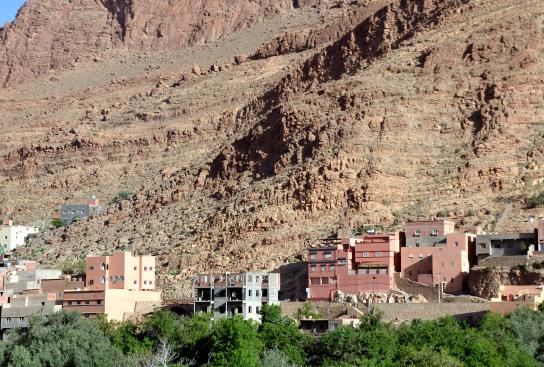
x: 120, y: 271
x: 352, y: 265
x: 435, y: 253
x: 116, y: 286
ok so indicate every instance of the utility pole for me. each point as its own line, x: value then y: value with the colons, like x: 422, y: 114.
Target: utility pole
x: 439, y: 288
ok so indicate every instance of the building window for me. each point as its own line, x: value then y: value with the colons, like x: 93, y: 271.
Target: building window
x: 150, y: 268
x: 332, y: 280
x: 417, y: 244
x: 135, y: 268
x: 453, y: 263
x: 91, y: 268
x: 365, y: 254
x: 257, y: 293
x: 111, y: 278
x: 8, y: 321
x: 91, y: 282
x: 332, y: 267
x: 434, y: 232
x: 86, y: 302
x: 145, y: 268
x: 496, y: 245
x: 313, y: 256
x: 150, y: 282
x: 78, y: 302
x: 378, y: 254
x: 315, y: 281
x: 313, y: 268
x: 249, y: 309
x: 328, y: 255
x: 456, y: 244
x: 324, y: 281
x: 99, y: 302
x: 323, y: 267
x: 342, y: 262
x: 257, y: 309
x: 417, y: 233
x: 482, y: 245
x: 103, y: 266
x: 69, y: 302
x: 145, y: 281
x: 135, y: 281
x: 420, y: 257
x: 250, y: 293
x: 442, y: 263
x: 102, y: 280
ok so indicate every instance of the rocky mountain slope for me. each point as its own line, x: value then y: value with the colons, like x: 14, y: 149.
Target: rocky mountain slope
x: 52, y: 34
x: 346, y: 114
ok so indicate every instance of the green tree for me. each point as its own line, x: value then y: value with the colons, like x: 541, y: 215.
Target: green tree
x: 235, y: 343
x: 61, y: 340
x: 126, y: 336
x: 281, y: 333
x: 426, y: 357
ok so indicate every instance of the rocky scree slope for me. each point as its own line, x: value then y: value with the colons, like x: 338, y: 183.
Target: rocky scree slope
x: 423, y: 109
x: 51, y: 34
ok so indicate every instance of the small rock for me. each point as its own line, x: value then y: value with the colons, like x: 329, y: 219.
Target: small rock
x: 238, y: 59
x: 197, y: 70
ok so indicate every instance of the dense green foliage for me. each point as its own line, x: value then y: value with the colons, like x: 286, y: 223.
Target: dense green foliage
x: 169, y: 340
x: 57, y: 223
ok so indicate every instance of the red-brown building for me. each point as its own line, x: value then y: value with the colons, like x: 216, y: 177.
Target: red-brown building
x: 435, y: 253
x: 352, y: 265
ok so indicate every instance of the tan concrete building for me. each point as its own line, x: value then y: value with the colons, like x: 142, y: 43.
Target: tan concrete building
x: 116, y: 285
x: 511, y: 297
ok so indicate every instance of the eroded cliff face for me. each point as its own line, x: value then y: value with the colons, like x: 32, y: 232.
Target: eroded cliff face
x: 420, y: 109
x: 48, y: 35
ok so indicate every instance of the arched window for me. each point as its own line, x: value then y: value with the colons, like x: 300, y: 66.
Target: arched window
x: 103, y: 266
x: 102, y: 280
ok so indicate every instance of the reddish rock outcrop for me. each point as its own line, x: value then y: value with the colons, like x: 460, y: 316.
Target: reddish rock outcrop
x: 50, y: 34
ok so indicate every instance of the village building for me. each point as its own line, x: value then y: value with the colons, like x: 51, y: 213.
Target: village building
x: 511, y: 297
x: 226, y: 295
x: 117, y: 285
x: 12, y: 236
x: 20, y: 308
x: 436, y: 254
x: 71, y: 212
x: 504, y: 244
x: 352, y: 265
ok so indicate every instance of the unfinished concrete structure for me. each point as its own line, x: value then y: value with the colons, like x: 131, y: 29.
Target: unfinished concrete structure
x: 226, y: 295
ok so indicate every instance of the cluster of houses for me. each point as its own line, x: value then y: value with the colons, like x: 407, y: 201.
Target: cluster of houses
x: 426, y: 253
x: 429, y: 253
x: 119, y: 286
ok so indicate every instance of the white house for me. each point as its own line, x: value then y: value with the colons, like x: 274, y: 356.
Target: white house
x: 12, y: 236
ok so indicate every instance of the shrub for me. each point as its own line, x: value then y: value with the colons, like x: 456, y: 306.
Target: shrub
x: 57, y: 223
x: 122, y: 195
x: 536, y: 200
